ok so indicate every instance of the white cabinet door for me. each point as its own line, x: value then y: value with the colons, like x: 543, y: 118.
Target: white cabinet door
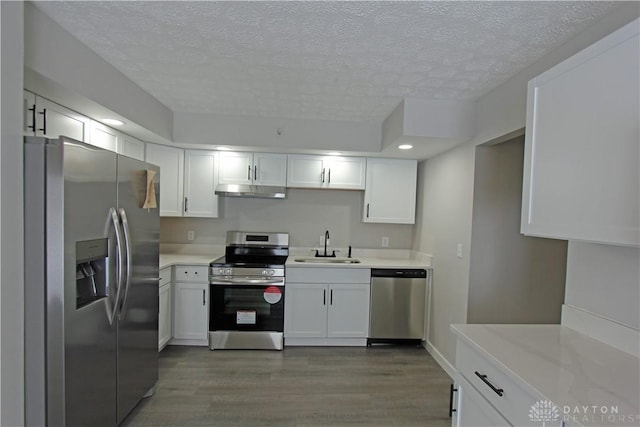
x: 29, y: 113
x: 164, y: 316
x: 46, y: 118
x: 390, y: 194
x: 270, y: 169
x: 348, y: 311
x: 581, y: 174
x: 473, y: 410
x: 304, y: 171
x: 200, y: 180
x: 305, y: 312
x: 345, y: 173
x: 236, y: 168
x: 103, y: 136
x: 331, y: 172
x: 190, y: 321
x: 131, y: 147
x: 171, y: 163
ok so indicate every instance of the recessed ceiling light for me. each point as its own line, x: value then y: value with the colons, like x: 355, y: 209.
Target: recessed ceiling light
x: 113, y: 122
x: 334, y: 153
x: 405, y: 146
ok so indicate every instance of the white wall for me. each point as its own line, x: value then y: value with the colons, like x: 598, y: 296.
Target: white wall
x: 605, y: 280
x: 305, y: 214
x: 248, y: 131
x: 11, y: 200
x: 445, y: 189
x: 512, y: 278
x: 54, y: 54
x: 445, y: 215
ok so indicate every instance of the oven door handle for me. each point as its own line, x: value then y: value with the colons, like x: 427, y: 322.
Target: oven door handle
x: 245, y: 281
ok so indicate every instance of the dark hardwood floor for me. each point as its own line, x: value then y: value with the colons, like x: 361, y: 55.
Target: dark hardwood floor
x: 300, y: 386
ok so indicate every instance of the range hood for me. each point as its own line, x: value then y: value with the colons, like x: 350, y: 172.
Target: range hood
x: 262, y: 191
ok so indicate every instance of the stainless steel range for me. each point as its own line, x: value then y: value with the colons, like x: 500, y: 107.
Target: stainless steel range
x: 247, y: 292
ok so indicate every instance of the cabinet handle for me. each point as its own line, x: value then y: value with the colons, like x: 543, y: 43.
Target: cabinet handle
x: 32, y: 126
x: 204, y: 297
x: 331, y: 298
x: 324, y: 297
x: 44, y: 120
x: 323, y: 175
x: 186, y: 204
x: 367, y: 210
x: 484, y: 379
x: 329, y: 179
x: 249, y: 173
x: 255, y: 173
x: 451, y: 410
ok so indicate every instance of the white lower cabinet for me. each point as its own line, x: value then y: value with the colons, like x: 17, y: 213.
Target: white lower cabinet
x: 165, y: 317
x: 473, y: 410
x: 190, y: 306
x: 490, y: 396
x: 327, y: 306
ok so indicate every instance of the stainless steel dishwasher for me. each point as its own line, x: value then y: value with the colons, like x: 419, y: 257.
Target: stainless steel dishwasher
x: 398, y: 306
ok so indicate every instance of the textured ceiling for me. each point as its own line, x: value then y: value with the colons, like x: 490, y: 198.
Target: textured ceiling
x: 349, y: 61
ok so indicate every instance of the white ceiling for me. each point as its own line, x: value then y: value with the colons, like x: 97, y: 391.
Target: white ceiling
x: 351, y: 61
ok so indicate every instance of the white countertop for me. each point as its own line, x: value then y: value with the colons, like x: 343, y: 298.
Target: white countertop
x: 170, y: 259
x: 568, y: 368
x: 369, y: 258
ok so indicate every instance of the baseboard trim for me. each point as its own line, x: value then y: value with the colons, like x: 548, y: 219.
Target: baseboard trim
x: 441, y: 360
x: 610, y: 332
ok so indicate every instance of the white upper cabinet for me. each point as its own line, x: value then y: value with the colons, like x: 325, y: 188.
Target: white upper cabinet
x: 390, y: 194
x: 581, y: 171
x: 343, y: 173
x: 200, y: 180
x: 103, y: 136
x: 171, y: 163
x: 253, y: 168
x: 46, y: 118
x: 131, y: 147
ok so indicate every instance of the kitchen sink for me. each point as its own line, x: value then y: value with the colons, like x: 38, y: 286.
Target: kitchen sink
x: 314, y: 260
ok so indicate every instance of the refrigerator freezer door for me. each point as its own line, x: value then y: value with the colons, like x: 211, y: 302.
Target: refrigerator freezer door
x: 138, y: 311
x: 90, y: 339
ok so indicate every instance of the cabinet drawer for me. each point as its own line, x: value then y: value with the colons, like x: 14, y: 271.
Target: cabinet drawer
x: 328, y: 275
x: 192, y: 273
x: 510, y: 398
x: 165, y: 276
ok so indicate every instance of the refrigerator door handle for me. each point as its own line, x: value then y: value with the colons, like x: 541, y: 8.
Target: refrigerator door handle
x: 127, y: 245
x: 120, y: 266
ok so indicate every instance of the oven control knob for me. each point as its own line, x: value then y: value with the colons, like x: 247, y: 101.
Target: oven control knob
x: 228, y: 271
x: 221, y: 271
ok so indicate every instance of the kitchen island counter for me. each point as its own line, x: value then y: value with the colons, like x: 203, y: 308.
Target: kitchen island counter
x: 591, y: 382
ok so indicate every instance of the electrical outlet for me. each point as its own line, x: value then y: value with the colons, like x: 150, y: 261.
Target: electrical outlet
x: 385, y: 242
x: 459, y: 251
x: 191, y: 235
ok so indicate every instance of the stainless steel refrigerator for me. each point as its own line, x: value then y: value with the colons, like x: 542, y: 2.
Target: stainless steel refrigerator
x: 91, y: 283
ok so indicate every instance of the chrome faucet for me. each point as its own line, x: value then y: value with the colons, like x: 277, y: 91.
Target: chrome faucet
x: 326, y: 239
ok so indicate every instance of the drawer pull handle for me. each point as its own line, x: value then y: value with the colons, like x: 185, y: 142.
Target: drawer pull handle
x: 484, y: 379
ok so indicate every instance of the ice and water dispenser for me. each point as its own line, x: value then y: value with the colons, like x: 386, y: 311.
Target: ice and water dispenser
x: 91, y: 271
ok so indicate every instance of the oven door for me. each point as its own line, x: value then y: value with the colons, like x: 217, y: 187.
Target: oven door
x: 246, y: 305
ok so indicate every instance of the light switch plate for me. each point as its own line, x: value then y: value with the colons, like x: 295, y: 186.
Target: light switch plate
x: 459, y: 252
x: 385, y: 242
x: 191, y: 235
